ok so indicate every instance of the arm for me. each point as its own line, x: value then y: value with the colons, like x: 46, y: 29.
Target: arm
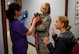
x: 30, y: 31
x: 50, y: 48
x: 20, y: 29
x: 55, y: 37
x: 45, y: 23
x: 59, y: 48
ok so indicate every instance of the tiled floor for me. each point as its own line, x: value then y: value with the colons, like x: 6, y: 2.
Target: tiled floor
x: 31, y: 50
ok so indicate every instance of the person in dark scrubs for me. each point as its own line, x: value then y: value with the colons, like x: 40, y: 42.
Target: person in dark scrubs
x: 18, y: 31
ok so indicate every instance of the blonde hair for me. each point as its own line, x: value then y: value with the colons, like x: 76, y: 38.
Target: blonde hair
x: 64, y: 19
x: 47, y: 5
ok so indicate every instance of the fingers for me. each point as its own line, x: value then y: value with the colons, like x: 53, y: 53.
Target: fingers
x: 53, y: 31
x: 36, y: 19
x: 46, y: 40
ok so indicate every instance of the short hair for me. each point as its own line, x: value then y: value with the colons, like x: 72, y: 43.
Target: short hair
x: 48, y: 5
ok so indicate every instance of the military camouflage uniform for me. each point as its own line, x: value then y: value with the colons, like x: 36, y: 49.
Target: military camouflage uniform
x: 43, y: 30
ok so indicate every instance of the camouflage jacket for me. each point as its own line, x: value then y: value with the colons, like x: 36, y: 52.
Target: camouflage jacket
x: 43, y: 28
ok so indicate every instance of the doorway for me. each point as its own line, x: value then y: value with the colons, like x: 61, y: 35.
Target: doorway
x: 5, y: 25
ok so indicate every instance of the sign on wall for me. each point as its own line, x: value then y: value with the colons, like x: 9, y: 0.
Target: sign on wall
x: 77, y: 12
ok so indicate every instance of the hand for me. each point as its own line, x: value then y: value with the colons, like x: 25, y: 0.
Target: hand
x: 46, y: 40
x: 36, y: 19
x: 53, y: 32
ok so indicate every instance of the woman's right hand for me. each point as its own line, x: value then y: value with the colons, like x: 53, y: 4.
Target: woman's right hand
x: 46, y: 40
x: 36, y: 19
x: 53, y: 32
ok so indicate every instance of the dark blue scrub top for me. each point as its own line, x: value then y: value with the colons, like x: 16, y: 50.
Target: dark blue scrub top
x: 18, y: 37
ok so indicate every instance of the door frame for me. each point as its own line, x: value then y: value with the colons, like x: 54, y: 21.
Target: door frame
x: 4, y: 27
x: 66, y: 7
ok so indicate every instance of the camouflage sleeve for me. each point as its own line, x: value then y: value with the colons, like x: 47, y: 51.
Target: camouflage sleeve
x: 45, y: 24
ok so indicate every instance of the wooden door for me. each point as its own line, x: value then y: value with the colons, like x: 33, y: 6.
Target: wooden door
x: 19, y: 2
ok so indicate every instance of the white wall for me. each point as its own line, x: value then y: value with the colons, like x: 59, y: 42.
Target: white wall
x: 32, y: 6
x: 11, y: 1
x: 1, y: 34
x: 71, y: 15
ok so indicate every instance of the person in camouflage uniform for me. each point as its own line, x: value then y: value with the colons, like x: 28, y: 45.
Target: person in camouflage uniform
x: 43, y: 29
